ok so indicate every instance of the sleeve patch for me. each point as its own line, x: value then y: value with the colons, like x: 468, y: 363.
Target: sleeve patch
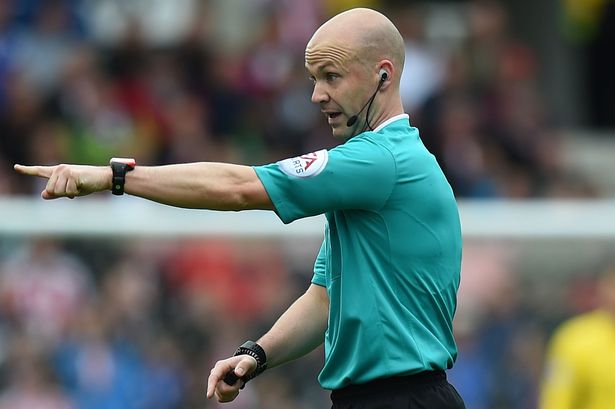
x: 305, y: 166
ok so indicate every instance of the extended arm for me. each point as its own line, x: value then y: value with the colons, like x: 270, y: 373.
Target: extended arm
x: 297, y: 332
x: 203, y: 185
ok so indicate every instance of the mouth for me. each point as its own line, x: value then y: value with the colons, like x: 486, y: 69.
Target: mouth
x: 331, y: 116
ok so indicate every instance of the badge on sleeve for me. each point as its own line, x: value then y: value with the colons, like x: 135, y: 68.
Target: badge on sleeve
x: 305, y: 166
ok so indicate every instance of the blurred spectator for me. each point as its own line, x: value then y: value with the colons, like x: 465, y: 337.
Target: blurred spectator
x: 589, y: 26
x: 217, y: 275
x: 41, y: 288
x: 44, y: 45
x: 162, y: 23
x: 99, y: 370
x: 580, y: 359
x: 8, y: 48
x: 31, y: 384
x: 424, y: 68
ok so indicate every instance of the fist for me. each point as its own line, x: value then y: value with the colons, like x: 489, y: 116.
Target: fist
x: 242, y: 365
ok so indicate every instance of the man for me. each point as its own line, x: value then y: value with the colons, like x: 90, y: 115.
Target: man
x: 383, y: 294
x: 581, y: 357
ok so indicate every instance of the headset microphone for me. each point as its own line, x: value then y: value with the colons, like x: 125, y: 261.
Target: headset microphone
x: 353, y: 119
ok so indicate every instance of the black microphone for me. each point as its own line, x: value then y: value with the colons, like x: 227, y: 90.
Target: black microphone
x: 353, y: 119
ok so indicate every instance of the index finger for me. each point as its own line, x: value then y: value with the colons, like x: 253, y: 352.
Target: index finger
x: 217, y: 373
x: 212, y: 381
x: 42, y: 171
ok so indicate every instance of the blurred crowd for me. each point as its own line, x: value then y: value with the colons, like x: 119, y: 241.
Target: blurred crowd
x: 89, y: 324
x: 82, y: 81
x: 113, y: 324
x: 102, y: 325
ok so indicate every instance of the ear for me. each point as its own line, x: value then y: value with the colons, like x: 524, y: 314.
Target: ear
x: 386, y: 72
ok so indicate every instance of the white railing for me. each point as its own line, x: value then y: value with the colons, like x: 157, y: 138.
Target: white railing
x: 32, y: 216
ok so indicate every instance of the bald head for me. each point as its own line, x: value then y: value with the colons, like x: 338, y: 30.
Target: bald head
x: 347, y: 58
x: 358, y: 35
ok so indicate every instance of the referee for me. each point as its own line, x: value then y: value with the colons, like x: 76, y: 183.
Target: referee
x: 383, y: 293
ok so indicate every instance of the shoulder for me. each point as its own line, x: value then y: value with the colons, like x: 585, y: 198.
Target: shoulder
x: 581, y: 332
x: 367, y: 146
x: 584, y: 322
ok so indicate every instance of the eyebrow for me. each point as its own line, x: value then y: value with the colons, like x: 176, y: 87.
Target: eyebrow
x: 320, y: 67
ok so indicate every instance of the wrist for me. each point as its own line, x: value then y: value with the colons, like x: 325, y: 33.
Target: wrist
x: 255, y: 351
x: 108, y: 177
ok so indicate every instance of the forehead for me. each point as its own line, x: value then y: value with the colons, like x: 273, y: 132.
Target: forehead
x: 320, y: 55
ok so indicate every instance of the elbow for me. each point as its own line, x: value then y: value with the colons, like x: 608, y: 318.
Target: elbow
x: 252, y: 196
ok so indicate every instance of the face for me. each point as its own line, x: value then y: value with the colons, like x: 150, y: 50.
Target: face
x: 340, y: 86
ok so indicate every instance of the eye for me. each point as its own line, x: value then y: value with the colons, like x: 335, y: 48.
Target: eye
x: 331, y: 77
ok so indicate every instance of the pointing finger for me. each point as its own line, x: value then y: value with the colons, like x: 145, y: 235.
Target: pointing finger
x: 42, y: 171
x: 213, y: 379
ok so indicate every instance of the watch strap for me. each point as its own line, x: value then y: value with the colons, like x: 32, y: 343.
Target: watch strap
x: 119, y: 167
x: 255, y: 351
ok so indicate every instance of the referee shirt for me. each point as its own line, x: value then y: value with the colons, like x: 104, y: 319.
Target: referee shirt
x: 391, y: 255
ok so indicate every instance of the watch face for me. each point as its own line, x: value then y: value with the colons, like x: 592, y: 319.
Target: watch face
x: 126, y: 161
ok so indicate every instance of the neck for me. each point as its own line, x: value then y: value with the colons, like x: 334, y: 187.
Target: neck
x: 381, y: 113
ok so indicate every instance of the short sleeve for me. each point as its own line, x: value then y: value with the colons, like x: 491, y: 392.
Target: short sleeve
x: 359, y: 174
x: 320, y: 266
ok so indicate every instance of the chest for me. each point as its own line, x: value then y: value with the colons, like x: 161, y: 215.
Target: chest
x: 599, y: 364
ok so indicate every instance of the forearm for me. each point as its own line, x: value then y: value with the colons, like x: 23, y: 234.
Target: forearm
x: 203, y: 185
x: 299, y: 330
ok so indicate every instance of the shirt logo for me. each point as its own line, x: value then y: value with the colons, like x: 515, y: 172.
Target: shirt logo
x: 305, y: 166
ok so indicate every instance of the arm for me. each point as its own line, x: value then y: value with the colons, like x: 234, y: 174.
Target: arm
x: 203, y: 185
x: 297, y: 332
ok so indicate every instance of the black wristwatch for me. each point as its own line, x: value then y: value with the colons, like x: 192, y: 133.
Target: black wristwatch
x: 120, y: 166
x: 255, y: 351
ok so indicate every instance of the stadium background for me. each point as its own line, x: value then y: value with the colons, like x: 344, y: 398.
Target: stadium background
x: 516, y: 99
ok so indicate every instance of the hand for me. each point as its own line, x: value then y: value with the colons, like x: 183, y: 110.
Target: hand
x: 241, y: 364
x: 70, y: 180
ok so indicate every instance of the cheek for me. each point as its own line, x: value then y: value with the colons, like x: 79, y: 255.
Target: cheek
x: 347, y: 99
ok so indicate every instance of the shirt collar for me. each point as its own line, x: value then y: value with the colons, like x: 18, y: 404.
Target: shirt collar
x: 390, y: 121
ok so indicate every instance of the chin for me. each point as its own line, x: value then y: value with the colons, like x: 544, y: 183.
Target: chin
x: 342, y: 134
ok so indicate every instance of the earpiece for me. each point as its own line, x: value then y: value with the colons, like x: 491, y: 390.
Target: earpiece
x: 353, y: 119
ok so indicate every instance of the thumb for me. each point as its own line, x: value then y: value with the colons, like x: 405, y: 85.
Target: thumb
x: 246, y: 366
x: 42, y: 171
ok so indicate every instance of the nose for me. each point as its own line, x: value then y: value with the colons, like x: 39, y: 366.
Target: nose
x: 319, y: 94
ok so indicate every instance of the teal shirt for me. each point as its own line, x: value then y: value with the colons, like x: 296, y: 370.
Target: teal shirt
x: 391, y: 256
